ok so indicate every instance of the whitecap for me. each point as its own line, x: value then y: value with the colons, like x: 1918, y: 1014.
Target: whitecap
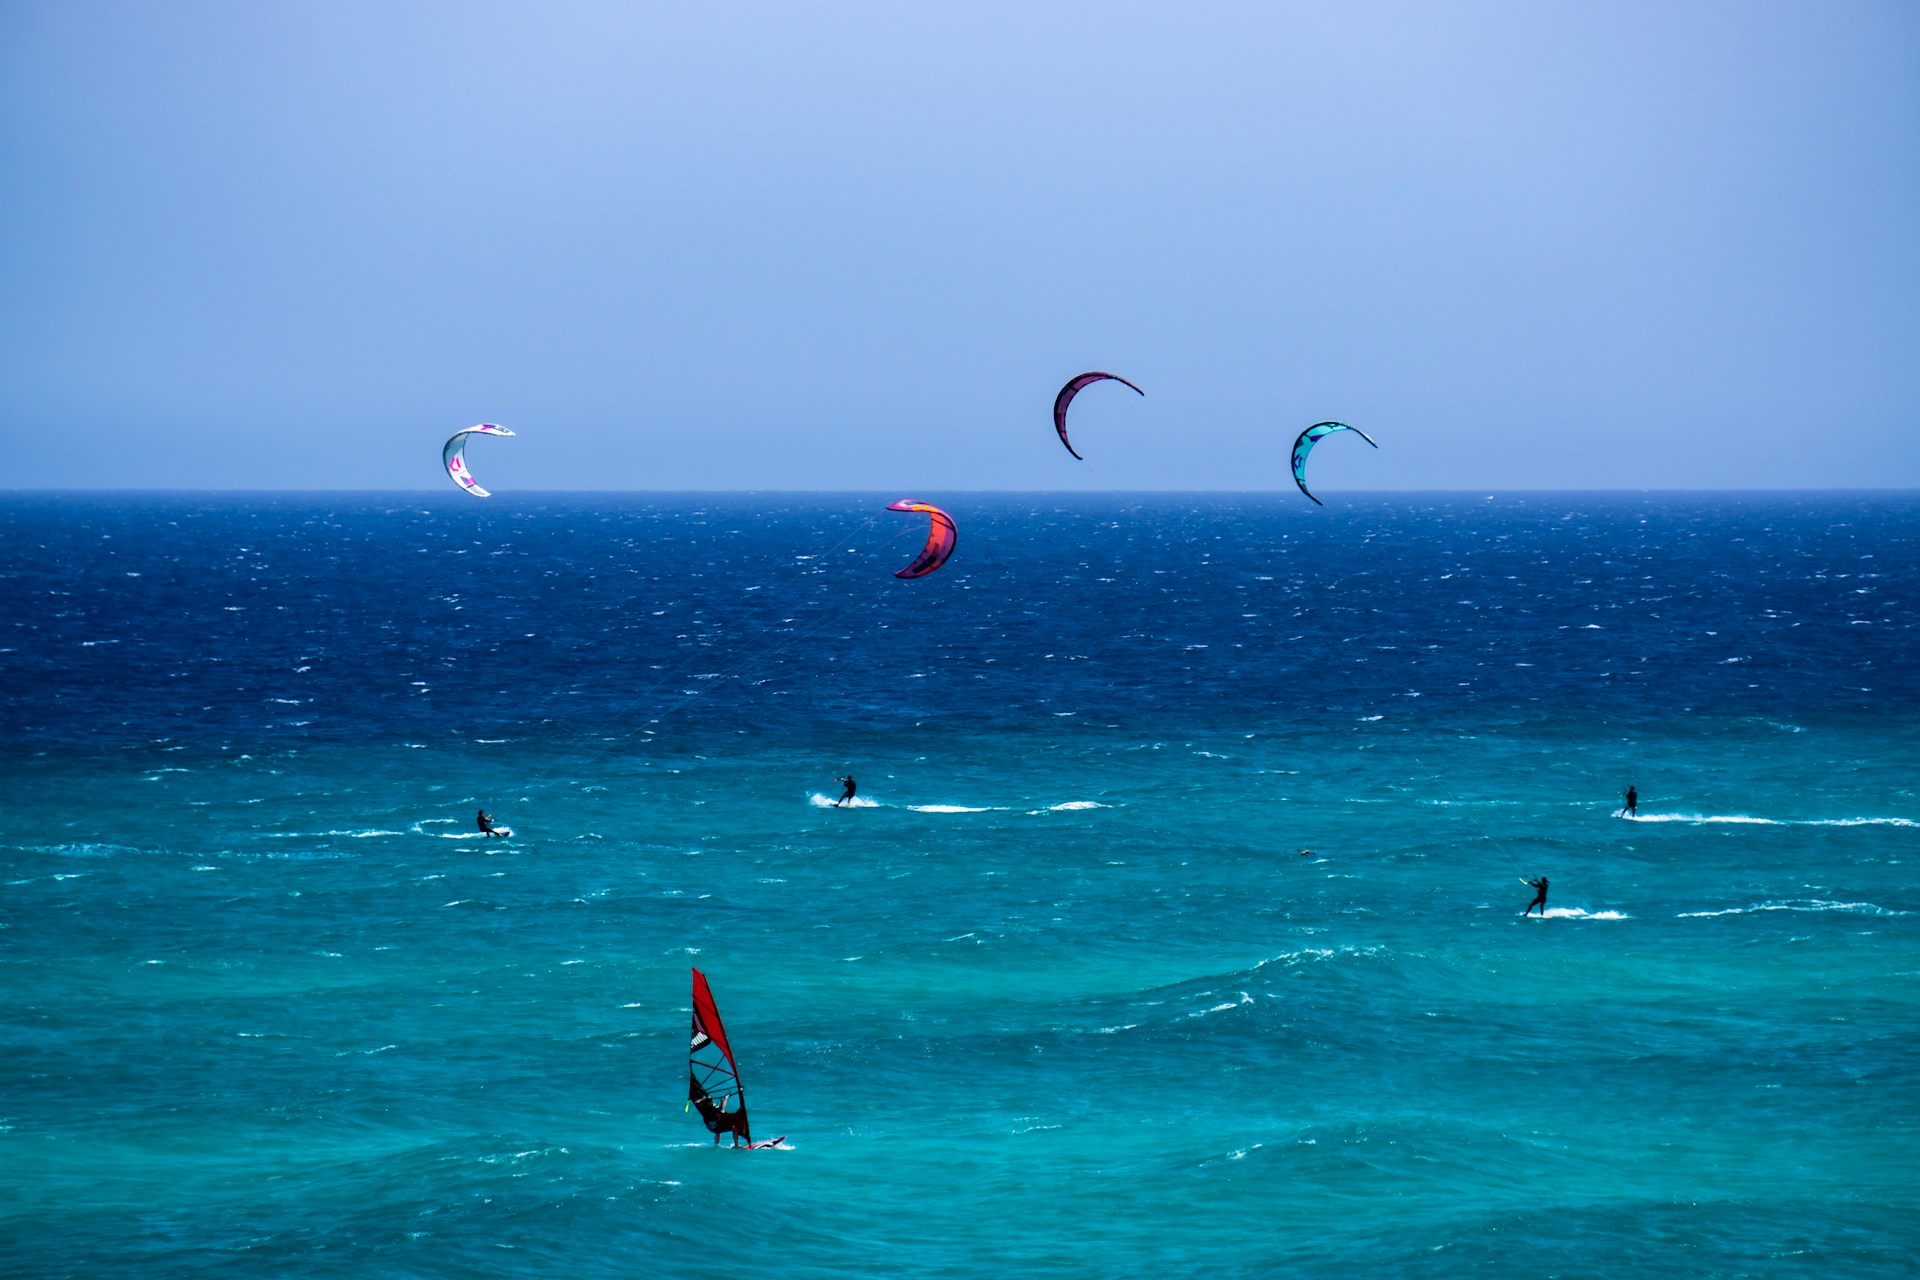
x: 1223, y: 1007
x: 1075, y: 805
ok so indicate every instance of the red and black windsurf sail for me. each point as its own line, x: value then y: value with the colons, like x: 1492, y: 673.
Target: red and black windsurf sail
x: 713, y: 1079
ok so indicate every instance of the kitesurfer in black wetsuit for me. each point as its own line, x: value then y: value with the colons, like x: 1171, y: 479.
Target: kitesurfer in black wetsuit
x: 848, y: 794
x: 486, y: 824
x: 1632, y: 809
x: 1539, y: 898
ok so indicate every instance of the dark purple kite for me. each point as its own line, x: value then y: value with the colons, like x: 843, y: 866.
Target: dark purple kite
x: 1065, y: 398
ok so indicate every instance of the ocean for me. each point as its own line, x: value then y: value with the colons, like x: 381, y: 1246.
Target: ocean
x: 1176, y: 930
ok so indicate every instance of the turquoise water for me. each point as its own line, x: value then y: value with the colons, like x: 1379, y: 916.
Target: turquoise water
x: 1065, y: 998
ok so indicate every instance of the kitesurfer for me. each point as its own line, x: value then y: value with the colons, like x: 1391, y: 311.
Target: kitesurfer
x: 1632, y: 809
x: 485, y: 822
x: 1539, y: 898
x: 848, y: 793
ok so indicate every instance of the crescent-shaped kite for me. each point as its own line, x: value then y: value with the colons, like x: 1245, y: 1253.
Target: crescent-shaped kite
x: 940, y: 539
x: 1065, y: 398
x: 455, y: 456
x: 1310, y: 437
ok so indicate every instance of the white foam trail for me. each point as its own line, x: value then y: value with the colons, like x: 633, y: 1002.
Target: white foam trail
x: 1577, y: 913
x: 1749, y: 820
x: 819, y: 801
x: 946, y: 808
x: 1072, y: 805
x: 1808, y: 904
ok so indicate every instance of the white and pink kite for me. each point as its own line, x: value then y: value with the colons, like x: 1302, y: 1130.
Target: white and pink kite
x: 455, y: 456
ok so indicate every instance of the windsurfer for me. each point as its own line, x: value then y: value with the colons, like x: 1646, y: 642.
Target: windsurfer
x: 1539, y: 898
x: 715, y: 1115
x: 710, y: 1062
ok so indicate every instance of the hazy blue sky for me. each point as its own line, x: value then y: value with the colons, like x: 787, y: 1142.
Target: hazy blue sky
x: 1523, y: 245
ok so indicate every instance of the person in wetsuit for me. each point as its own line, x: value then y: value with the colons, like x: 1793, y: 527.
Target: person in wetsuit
x: 848, y: 793
x: 485, y: 821
x: 1632, y: 809
x: 1539, y: 897
x: 716, y: 1116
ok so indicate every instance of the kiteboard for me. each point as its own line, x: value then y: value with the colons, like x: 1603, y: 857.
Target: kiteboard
x: 762, y: 1146
x: 503, y: 831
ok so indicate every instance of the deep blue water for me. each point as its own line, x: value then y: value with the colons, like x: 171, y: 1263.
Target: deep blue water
x: 1065, y: 999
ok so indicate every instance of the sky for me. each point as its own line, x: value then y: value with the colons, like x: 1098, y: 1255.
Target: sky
x: 1528, y: 245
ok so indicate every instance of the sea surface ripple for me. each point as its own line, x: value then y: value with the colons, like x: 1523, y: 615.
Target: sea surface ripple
x: 1177, y: 931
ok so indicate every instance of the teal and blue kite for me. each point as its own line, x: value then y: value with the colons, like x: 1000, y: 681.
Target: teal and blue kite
x: 1304, y: 445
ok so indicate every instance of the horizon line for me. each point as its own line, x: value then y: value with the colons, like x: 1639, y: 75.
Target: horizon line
x: 431, y: 490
